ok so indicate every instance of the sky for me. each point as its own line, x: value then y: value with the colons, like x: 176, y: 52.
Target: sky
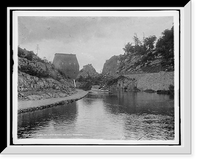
x: 93, y: 39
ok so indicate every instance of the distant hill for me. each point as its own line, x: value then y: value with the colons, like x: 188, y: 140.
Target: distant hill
x: 86, y: 71
x: 87, y: 77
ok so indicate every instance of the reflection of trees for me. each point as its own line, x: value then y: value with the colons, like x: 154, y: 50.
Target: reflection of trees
x: 33, y: 120
x: 121, y: 102
x: 128, y: 100
x: 92, y: 98
x: 138, y: 103
x: 67, y: 114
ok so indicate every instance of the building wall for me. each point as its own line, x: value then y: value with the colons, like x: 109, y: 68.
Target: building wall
x: 67, y: 64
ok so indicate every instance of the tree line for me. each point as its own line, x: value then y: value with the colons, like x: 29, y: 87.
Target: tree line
x: 151, y: 48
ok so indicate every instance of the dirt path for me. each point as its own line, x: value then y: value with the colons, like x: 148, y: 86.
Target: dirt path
x: 31, y: 104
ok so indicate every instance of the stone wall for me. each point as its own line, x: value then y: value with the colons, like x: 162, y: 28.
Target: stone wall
x: 162, y: 81
x: 156, y: 81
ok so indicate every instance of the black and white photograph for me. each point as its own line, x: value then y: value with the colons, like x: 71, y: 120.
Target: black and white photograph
x: 96, y: 77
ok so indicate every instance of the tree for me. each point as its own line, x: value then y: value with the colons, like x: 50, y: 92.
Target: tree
x: 165, y: 44
x: 128, y: 48
x: 149, y: 42
x: 137, y: 40
x: 138, y: 46
x: 45, y: 60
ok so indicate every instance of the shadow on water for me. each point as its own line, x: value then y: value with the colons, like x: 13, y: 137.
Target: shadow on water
x: 139, y: 103
x: 30, y: 122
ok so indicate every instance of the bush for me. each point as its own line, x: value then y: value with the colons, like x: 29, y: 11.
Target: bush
x: 29, y: 56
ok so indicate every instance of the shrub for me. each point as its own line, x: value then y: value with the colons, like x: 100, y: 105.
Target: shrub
x: 29, y: 56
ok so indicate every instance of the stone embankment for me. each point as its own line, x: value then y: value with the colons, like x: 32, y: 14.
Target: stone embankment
x: 161, y: 82
x: 154, y: 81
x: 32, y: 105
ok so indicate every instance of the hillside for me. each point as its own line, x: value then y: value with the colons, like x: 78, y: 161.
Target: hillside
x: 38, y: 78
x: 150, y: 55
x: 151, y: 58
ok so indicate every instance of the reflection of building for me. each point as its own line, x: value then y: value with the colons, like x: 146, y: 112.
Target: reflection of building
x: 67, y: 64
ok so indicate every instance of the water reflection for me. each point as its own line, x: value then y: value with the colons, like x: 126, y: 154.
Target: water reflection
x: 139, y: 103
x: 122, y: 115
x: 55, y: 117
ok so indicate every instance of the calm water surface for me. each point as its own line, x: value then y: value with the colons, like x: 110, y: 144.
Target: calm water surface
x: 122, y: 115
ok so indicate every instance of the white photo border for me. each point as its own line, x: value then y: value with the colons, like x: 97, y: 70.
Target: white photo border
x: 184, y: 146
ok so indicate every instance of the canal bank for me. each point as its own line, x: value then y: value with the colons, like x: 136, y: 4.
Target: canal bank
x: 31, y: 105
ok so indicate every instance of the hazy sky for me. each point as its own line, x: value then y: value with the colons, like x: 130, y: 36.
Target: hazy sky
x: 92, y: 39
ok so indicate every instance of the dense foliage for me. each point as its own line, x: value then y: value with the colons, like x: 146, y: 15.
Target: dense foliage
x: 142, y: 53
x: 165, y: 46
x: 30, y: 63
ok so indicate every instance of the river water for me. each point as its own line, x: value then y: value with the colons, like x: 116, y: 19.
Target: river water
x: 117, y: 116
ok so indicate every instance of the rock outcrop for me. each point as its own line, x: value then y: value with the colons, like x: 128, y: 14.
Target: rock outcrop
x: 86, y: 71
x: 87, y: 77
x: 111, y: 66
x: 122, y: 83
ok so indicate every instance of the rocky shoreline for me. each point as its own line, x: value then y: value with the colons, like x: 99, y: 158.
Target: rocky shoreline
x: 33, y: 105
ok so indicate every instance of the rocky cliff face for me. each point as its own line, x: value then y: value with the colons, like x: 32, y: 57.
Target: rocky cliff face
x: 111, y: 66
x: 132, y: 64
x: 39, y: 79
x: 86, y: 71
